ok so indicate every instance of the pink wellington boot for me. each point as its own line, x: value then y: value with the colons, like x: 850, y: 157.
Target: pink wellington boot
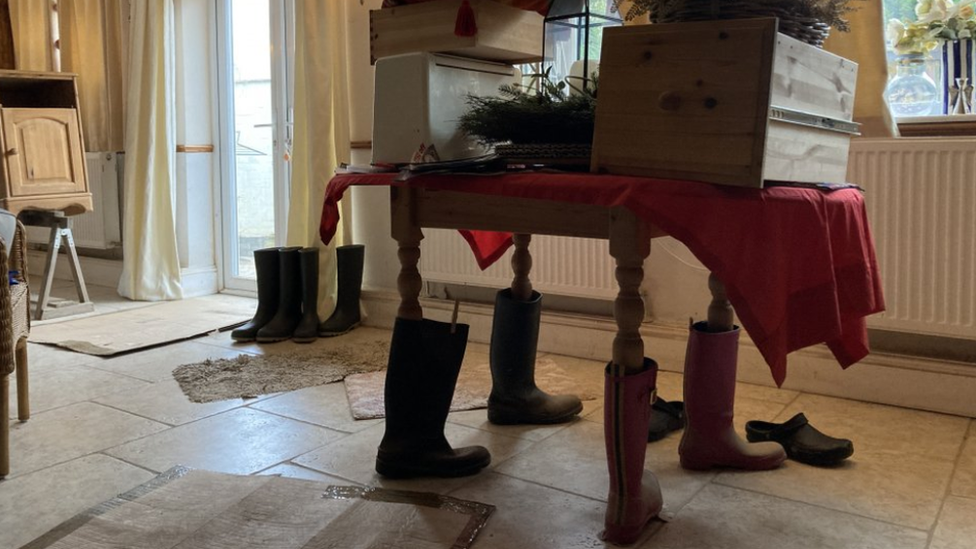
x: 709, y: 439
x: 635, y: 496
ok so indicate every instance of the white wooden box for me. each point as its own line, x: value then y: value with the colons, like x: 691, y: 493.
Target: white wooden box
x: 505, y: 33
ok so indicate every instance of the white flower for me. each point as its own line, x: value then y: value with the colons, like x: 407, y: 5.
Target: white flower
x: 933, y: 10
x: 895, y: 31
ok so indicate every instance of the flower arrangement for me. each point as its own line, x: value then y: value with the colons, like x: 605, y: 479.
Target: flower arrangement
x: 938, y: 21
x: 830, y: 12
x: 542, y: 112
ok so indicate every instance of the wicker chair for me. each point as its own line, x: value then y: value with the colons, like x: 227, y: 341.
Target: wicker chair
x: 14, y: 329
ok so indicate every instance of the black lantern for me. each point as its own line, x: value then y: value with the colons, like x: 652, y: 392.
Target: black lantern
x: 573, y: 37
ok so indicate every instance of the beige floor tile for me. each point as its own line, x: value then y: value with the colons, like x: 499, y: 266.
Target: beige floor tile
x: 240, y: 441
x: 33, y: 504
x: 68, y: 384
x: 529, y: 515
x: 67, y: 433
x: 354, y: 457
x: 291, y: 470
x: 900, y: 488
x: 956, y: 528
x: 324, y: 405
x: 875, y: 427
x: 165, y: 402
x: 726, y: 518
x: 891, y: 476
x: 964, y: 481
x: 575, y: 461
x: 158, y: 363
x: 41, y: 358
x: 479, y: 420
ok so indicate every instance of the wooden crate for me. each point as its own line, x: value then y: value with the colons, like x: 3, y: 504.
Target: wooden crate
x: 506, y: 34
x: 731, y: 102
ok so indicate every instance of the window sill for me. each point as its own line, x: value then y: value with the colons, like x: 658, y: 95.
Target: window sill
x: 938, y: 126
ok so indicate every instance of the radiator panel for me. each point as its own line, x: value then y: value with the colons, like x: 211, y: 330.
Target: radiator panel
x: 921, y: 195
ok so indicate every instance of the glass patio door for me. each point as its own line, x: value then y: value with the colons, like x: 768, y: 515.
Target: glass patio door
x: 255, y: 52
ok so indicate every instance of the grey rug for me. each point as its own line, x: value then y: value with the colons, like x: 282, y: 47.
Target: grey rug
x: 248, y: 376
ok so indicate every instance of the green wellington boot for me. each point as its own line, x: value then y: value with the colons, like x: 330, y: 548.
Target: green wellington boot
x: 308, y: 328
x: 267, y: 267
x: 349, y: 264
x: 289, y: 313
x: 425, y: 359
x: 515, y: 398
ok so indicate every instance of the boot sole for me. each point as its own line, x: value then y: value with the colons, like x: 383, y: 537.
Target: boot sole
x: 402, y: 471
x: 243, y: 339
x: 272, y: 339
x: 334, y: 334
x: 304, y: 339
x: 515, y: 419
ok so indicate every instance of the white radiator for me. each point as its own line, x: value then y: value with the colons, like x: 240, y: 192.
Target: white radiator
x: 921, y: 196
x: 99, y: 229
x: 579, y: 267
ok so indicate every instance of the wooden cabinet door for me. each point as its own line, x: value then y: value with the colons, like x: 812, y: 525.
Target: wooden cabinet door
x: 43, y: 152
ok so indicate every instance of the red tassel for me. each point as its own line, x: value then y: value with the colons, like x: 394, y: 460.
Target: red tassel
x: 465, y: 24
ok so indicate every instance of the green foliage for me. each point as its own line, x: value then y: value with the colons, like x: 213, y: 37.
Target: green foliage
x: 831, y: 12
x: 541, y: 113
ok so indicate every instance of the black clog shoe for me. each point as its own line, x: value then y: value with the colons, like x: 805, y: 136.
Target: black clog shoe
x: 666, y: 417
x: 802, y: 441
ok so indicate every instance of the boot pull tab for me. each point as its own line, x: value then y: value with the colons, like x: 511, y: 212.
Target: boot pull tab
x: 457, y: 304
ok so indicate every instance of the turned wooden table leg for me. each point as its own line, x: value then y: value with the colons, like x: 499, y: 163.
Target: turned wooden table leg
x: 408, y: 236
x: 630, y: 244
x: 720, y: 313
x: 521, y: 266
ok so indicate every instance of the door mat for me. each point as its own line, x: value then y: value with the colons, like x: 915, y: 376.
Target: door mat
x: 365, y: 391
x: 248, y: 376
x: 134, y: 329
x: 205, y: 510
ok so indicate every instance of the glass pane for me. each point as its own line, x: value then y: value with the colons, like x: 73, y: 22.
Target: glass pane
x: 254, y: 137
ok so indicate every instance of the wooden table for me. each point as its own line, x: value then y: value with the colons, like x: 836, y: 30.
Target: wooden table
x: 413, y: 209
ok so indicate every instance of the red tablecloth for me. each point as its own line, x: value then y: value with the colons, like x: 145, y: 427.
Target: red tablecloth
x: 798, y: 264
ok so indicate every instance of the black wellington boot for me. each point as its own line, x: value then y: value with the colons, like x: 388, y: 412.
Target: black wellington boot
x: 425, y: 359
x: 289, y: 314
x: 266, y: 265
x: 308, y: 329
x: 349, y: 263
x: 515, y: 398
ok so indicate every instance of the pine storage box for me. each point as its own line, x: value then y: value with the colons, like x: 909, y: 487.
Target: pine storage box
x: 732, y: 102
x: 504, y: 33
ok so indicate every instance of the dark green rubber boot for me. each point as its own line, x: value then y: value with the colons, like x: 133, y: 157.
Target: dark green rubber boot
x: 515, y: 398
x: 266, y: 265
x: 425, y: 359
x: 289, y: 313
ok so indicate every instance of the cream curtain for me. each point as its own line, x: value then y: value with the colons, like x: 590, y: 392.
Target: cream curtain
x: 865, y: 45
x: 151, y: 267
x: 321, y: 130
x: 91, y: 46
x: 31, y: 25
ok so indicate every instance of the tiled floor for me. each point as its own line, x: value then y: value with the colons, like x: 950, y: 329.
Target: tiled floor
x: 101, y: 426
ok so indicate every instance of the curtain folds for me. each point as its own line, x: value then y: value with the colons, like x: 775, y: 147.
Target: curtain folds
x: 865, y: 45
x: 321, y: 130
x: 151, y: 267
x: 91, y: 46
x: 31, y: 27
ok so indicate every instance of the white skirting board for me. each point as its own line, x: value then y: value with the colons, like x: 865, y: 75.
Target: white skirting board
x: 910, y: 382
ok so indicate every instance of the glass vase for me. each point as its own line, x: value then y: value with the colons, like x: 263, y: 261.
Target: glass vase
x: 912, y: 92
